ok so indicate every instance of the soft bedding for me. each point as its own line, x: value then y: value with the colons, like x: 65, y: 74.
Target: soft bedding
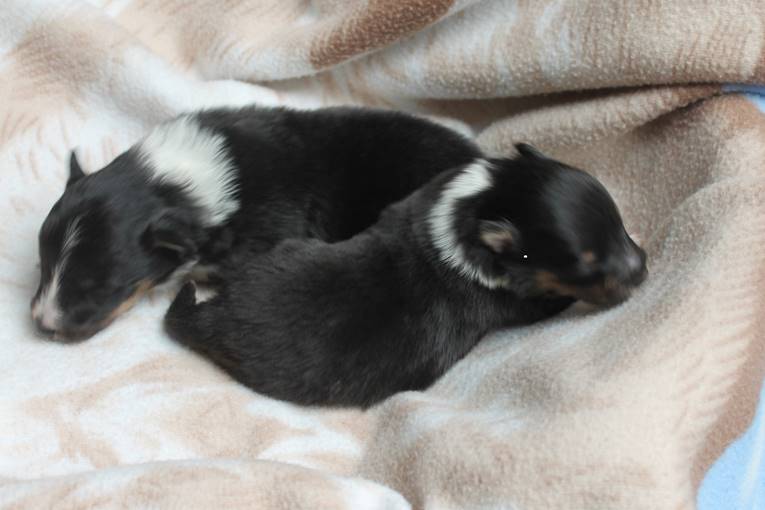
x: 647, y: 405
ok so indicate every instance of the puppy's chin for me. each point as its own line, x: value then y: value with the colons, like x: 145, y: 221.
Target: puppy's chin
x: 72, y: 335
x: 606, y: 295
x: 604, y: 298
x: 75, y: 336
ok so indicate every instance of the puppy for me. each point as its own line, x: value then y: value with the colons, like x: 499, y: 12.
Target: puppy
x: 494, y: 243
x: 195, y: 187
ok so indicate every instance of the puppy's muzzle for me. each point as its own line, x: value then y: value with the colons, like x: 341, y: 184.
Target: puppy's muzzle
x: 67, y: 333
x: 616, y: 287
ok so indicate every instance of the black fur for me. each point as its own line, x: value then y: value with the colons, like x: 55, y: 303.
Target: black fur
x: 350, y: 323
x: 322, y: 174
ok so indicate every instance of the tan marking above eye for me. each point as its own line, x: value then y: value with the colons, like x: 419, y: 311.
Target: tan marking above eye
x: 588, y: 257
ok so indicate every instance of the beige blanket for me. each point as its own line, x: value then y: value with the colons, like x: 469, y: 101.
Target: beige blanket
x: 626, y: 408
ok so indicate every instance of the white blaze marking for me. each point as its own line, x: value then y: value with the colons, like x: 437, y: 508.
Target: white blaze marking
x: 474, y: 179
x: 46, y: 308
x: 184, y: 153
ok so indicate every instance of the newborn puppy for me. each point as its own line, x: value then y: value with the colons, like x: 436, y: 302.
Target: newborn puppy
x: 492, y: 244
x: 195, y: 187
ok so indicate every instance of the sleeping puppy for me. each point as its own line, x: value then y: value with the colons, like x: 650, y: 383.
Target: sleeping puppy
x: 494, y: 243
x: 195, y: 187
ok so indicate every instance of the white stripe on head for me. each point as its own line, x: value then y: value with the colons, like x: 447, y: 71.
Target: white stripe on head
x: 184, y: 153
x: 46, y: 308
x: 472, y: 180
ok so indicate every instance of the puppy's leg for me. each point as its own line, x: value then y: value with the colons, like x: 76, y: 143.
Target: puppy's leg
x: 185, y: 301
x: 183, y: 316
x: 207, y: 279
x: 197, y: 326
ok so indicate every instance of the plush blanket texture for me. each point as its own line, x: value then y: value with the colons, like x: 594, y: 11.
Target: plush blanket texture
x: 649, y: 405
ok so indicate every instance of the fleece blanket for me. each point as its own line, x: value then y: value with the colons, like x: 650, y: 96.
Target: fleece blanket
x: 646, y: 405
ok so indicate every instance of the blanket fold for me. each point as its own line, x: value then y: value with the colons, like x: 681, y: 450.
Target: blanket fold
x: 632, y: 407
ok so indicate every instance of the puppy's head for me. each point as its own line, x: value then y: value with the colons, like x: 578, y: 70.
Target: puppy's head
x: 109, y: 238
x: 538, y: 227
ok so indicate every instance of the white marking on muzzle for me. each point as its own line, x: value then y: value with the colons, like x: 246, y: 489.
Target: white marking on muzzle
x: 46, y: 308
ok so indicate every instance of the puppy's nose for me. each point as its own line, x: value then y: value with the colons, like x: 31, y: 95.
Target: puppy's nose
x: 42, y: 328
x: 636, y: 268
x: 44, y: 322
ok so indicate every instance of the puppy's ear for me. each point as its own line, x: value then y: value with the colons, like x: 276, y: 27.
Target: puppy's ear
x: 529, y: 151
x: 175, y: 230
x: 75, y: 171
x: 499, y: 236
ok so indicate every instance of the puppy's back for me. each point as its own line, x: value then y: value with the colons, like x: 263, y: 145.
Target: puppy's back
x: 351, y: 162
x: 310, y: 323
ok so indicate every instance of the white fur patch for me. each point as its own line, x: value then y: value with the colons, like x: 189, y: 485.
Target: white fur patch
x: 46, y: 308
x: 474, y: 179
x: 184, y: 153
x: 205, y: 293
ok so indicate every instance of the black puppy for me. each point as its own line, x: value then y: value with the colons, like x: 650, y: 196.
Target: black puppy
x: 196, y: 186
x: 491, y: 244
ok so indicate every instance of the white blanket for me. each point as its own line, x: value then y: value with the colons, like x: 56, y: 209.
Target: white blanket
x: 625, y: 408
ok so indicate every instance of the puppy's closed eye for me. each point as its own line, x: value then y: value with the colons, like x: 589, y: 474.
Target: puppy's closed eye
x: 88, y: 284
x: 82, y: 315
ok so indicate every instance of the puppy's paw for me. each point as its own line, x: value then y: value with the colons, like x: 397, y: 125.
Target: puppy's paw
x: 186, y: 297
x: 179, y: 318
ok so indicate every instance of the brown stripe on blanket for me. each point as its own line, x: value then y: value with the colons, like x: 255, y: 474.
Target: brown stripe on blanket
x: 219, y: 484
x: 43, y: 75
x: 44, y: 58
x: 380, y: 23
